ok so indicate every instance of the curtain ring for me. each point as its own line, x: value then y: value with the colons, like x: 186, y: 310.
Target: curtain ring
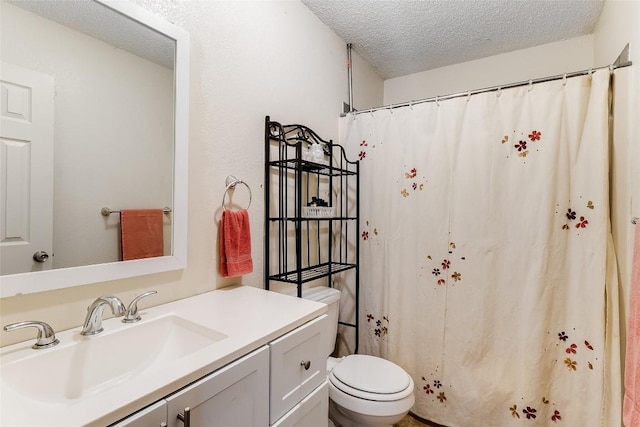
x: 468, y: 95
x: 530, y: 85
x: 391, y: 109
x: 411, y: 105
x: 437, y: 101
x: 564, y: 79
x: 499, y: 91
x: 590, y: 73
x: 611, y: 68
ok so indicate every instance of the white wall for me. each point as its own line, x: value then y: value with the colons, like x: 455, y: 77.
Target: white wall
x: 521, y: 65
x: 248, y: 59
x: 112, y: 109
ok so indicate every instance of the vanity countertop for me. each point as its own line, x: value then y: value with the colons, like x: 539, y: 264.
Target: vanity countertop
x: 250, y: 317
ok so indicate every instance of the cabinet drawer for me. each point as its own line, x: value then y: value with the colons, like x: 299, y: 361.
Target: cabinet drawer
x: 151, y: 416
x: 313, y: 411
x: 298, y: 365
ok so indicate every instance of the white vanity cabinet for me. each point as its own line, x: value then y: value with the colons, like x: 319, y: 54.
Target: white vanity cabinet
x: 298, y: 366
x: 236, y: 395
x: 282, y: 384
x: 246, y: 357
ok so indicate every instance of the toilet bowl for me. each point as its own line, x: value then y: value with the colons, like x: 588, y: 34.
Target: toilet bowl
x: 369, y: 391
x: 364, y: 391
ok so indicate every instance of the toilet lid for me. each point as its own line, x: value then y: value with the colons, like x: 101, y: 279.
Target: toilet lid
x: 371, y: 374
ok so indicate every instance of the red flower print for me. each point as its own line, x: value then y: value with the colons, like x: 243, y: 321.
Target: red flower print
x: 364, y: 143
x: 427, y: 389
x: 365, y: 235
x: 582, y: 223
x: 362, y: 155
x: 589, y: 346
x: 529, y: 412
x: 446, y: 264
x: 556, y: 416
x: 571, y: 349
x: 441, y: 282
x: 522, y: 145
x: 535, y: 135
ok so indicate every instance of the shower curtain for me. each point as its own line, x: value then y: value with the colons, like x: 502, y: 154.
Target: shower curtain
x: 487, y: 270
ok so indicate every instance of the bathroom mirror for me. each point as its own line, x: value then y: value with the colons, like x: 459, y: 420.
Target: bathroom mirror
x: 120, y: 133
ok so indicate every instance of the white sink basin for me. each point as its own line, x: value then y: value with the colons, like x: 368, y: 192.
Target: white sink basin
x: 92, y: 364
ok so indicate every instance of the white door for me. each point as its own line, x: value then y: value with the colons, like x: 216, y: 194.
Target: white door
x: 26, y: 169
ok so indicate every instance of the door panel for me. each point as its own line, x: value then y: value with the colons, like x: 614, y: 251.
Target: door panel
x: 26, y: 169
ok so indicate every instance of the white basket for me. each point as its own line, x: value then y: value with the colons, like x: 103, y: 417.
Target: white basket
x: 317, y: 211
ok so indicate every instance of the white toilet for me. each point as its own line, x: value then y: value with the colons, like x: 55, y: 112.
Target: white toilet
x: 364, y: 391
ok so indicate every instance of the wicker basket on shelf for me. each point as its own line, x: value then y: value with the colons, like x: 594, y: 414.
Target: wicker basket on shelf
x: 317, y: 211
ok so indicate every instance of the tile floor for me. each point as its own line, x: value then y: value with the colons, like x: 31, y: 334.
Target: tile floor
x: 410, y: 421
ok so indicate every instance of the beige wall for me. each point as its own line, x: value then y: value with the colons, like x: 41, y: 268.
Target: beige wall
x: 521, y: 65
x: 248, y: 60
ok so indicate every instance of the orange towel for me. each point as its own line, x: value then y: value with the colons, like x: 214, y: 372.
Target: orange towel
x: 235, y: 244
x: 141, y: 233
x: 631, y: 405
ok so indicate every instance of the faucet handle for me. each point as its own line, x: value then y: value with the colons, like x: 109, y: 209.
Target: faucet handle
x: 131, y: 315
x: 46, y: 336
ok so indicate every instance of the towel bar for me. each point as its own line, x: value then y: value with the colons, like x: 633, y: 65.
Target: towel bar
x: 106, y: 211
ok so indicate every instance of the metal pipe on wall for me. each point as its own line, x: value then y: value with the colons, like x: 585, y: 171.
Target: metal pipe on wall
x: 350, y: 77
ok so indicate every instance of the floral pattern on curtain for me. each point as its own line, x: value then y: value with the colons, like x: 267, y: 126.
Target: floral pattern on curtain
x: 486, y: 267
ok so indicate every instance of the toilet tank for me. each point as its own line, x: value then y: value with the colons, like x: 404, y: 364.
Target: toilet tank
x: 331, y: 297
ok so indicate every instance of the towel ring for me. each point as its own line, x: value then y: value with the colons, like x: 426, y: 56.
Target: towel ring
x: 231, y: 182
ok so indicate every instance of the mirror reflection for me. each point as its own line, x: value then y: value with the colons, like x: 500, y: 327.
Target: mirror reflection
x: 87, y: 123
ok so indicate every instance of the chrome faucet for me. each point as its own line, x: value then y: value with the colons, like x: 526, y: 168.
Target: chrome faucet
x: 93, y: 321
x: 46, y: 336
x: 131, y: 315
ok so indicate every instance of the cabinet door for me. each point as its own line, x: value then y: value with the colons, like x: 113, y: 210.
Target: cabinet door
x: 313, y: 411
x: 151, y: 416
x: 234, y: 396
x: 298, y: 365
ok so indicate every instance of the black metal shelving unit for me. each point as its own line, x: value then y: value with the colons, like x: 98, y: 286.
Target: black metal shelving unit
x: 304, y: 244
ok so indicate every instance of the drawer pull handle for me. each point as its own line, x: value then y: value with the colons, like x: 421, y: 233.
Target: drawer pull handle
x: 186, y: 417
x: 306, y: 365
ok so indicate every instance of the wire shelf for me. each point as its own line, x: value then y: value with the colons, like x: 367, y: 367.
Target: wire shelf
x: 312, y: 273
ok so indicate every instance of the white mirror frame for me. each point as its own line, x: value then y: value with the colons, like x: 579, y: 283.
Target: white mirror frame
x: 40, y: 281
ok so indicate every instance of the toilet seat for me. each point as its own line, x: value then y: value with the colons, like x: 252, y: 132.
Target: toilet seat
x: 371, y: 378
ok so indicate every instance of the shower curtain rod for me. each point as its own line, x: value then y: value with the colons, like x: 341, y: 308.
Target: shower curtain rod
x: 490, y: 89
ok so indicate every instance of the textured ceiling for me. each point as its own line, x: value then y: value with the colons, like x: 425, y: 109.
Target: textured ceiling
x: 103, y: 23
x: 400, y: 37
